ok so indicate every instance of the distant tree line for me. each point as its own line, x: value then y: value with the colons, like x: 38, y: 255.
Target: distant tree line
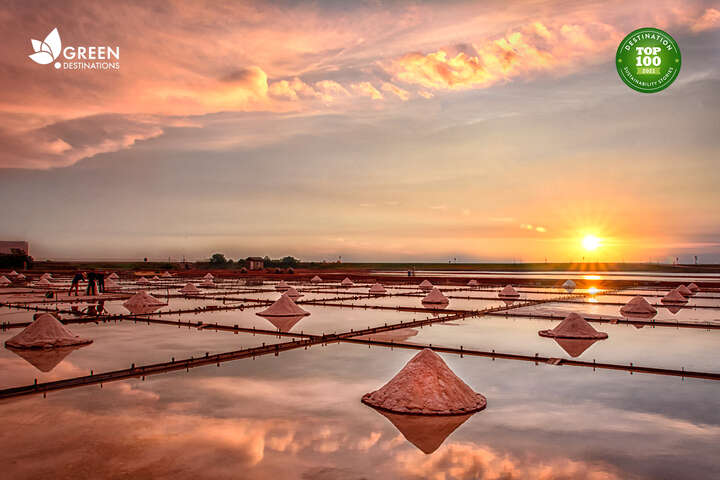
x: 220, y: 260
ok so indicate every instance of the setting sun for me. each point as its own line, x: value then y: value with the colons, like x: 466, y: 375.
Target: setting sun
x: 590, y: 242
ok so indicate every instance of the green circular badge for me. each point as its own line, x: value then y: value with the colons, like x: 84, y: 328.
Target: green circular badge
x: 648, y: 60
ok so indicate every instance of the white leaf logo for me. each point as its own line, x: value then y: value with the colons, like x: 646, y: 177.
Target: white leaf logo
x: 47, y: 50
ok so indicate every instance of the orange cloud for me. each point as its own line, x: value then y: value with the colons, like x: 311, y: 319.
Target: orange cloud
x: 533, y: 48
x: 367, y: 89
x: 708, y: 21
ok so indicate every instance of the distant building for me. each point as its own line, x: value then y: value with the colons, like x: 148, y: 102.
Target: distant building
x: 254, y: 263
x: 14, y: 248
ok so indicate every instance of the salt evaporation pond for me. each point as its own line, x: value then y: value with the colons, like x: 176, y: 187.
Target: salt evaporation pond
x: 299, y: 416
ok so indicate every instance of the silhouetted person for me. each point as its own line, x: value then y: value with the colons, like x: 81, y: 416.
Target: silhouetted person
x: 91, y: 286
x: 79, y: 277
x: 101, y: 281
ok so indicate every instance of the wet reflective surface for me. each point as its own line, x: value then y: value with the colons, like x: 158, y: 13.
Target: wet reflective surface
x: 298, y: 415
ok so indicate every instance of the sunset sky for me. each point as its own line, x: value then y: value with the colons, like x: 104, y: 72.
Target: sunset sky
x: 378, y: 131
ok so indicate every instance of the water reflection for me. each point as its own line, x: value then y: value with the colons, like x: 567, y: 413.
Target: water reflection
x: 283, y: 324
x: 426, y: 432
x: 45, y: 359
x: 575, y: 346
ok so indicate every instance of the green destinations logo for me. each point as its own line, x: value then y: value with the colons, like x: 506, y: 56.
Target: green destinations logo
x: 648, y: 60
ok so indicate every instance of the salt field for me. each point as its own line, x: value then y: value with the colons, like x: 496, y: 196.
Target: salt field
x: 225, y: 380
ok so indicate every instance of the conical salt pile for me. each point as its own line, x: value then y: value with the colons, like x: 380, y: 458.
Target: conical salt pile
x: 435, y: 296
x: 45, y: 332
x: 4, y: 280
x: 189, y: 288
x: 569, y: 285
x: 426, y: 386
x: 45, y: 275
x: 282, y: 286
x: 207, y: 283
x: 673, y: 297
x: 316, y: 279
x: 377, y: 289
x: 113, y: 276
x: 472, y: 283
x: 638, y: 307
x: 508, y: 291
x: 143, y: 281
x: 426, y: 285
x: 684, y: 291
x: 13, y: 274
x: 142, y: 299
x: 208, y: 276
x: 693, y: 288
x: 20, y: 277
x: 167, y: 274
x: 292, y: 293
x: 574, y: 326
x: 347, y: 282
x: 111, y: 285
x: 283, y: 307
x: 156, y: 278
x: 43, y: 282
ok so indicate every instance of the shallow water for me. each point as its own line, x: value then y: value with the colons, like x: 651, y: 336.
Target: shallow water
x: 298, y: 415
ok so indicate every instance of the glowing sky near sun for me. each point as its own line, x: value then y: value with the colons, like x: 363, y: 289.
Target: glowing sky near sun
x: 399, y: 131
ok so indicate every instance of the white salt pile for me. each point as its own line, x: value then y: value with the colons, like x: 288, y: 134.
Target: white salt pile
x: 283, y: 307
x: 574, y: 326
x: 347, y: 282
x: 207, y: 283
x: 143, y: 281
x: 684, y: 291
x: 208, y: 276
x: 292, y: 293
x: 569, y: 285
x: 638, y: 307
x: 13, y: 274
x: 282, y: 286
x: 45, y: 332
x: 509, y: 292
x: 20, y: 277
x: 167, y: 274
x: 673, y: 297
x: 45, y: 275
x: 693, y: 288
x: 113, y: 276
x: 316, y: 279
x: 142, y: 299
x: 377, y: 289
x: 426, y: 285
x: 189, y: 288
x: 426, y: 386
x: 156, y: 278
x: 472, y: 283
x: 111, y: 285
x: 4, y: 280
x: 43, y: 282
x: 435, y: 297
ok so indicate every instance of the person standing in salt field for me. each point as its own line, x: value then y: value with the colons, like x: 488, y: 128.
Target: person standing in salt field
x: 91, y: 286
x: 76, y: 283
x: 100, y: 281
